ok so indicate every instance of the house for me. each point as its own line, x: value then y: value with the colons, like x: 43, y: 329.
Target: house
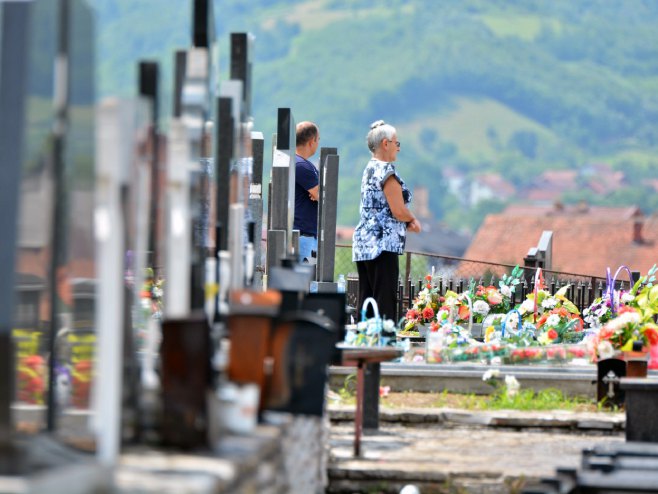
x: 490, y: 186
x: 601, y: 178
x: 457, y: 184
x: 586, y: 239
x: 550, y: 186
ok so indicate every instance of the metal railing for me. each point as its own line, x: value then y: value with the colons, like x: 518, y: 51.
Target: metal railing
x: 456, y: 273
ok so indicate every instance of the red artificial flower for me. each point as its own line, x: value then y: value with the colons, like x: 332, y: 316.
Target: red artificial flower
x: 493, y: 296
x: 412, y: 314
x: 605, y: 333
x: 428, y: 286
x: 463, y: 312
x: 552, y: 334
x: 428, y: 313
x: 428, y: 277
x: 434, y: 326
x: 33, y: 361
x: 652, y: 336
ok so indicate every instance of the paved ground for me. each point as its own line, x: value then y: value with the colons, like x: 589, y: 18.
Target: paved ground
x: 458, y: 451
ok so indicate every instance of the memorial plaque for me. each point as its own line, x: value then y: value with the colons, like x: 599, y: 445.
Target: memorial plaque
x: 186, y: 376
x: 302, y: 347
x: 331, y: 305
x: 609, y: 373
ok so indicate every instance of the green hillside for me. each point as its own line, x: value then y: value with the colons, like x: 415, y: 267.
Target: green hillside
x: 514, y: 86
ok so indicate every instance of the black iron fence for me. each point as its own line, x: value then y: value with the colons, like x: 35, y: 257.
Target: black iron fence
x: 455, y: 273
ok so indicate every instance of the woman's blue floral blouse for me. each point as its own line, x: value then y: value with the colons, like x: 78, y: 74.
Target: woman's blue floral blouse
x: 378, y: 230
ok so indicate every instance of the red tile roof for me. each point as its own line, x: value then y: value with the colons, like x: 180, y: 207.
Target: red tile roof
x: 587, y: 242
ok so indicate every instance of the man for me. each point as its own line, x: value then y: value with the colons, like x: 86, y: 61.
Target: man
x: 306, y: 191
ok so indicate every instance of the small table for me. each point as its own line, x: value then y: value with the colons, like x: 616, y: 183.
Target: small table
x: 359, y: 357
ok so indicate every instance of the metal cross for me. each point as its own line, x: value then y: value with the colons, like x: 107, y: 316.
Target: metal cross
x: 610, y: 379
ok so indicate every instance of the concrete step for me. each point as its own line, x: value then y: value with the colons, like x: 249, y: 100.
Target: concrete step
x: 462, y: 451
x: 573, y: 380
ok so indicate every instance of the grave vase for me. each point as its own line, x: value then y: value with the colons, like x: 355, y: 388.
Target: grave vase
x: 423, y: 329
x: 636, y: 362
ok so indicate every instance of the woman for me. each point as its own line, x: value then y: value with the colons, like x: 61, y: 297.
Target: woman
x: 380, y: 236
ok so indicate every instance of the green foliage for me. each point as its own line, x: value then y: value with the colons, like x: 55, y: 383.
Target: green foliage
x: 348, y: 391
x: 528, y: 399
x: 509, y: 86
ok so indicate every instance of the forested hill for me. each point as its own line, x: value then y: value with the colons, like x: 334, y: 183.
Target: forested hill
x: 508, y: 86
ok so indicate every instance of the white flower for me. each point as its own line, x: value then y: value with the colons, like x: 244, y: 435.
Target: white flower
x: 389, y: 325
x: 512, y: 321
x: 528, y: 305
x: 490, y: 373
x: 605, y: 350
x: 626, y: 298
x: 512, y: 385
x: 505, y: 291
x: 481, y: 307
x: 620, y: 321
x: 602, y: 311
x: 549, y: 303
x: 553, y: 320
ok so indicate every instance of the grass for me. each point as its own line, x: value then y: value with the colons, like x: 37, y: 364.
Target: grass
x: 499, y: 399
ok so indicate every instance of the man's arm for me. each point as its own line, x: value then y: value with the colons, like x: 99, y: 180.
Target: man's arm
x: 314, y: 193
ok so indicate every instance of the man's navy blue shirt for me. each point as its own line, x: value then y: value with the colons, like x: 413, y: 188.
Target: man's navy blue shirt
x: 306, y: 210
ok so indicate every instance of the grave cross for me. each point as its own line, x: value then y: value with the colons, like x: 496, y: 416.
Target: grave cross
x: 611, y: 379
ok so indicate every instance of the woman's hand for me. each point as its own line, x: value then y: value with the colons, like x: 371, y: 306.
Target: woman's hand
x: 414, y: 226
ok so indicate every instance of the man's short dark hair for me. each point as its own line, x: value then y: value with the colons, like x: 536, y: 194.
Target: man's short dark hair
x: 305, y: 132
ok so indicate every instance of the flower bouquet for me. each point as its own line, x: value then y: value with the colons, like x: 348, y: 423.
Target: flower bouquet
x: 424, y: 311
x: 81, y: 379
x: 633, y: 328
x: 448, y: 340
x: 606, y: 307
x: 489, y: 300
x: 556, y: 318
x: 560, y: 325
x: 373, y: 331
x: 31, y: 379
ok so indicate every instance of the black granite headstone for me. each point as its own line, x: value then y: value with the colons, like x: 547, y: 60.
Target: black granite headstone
x: 609, y: 373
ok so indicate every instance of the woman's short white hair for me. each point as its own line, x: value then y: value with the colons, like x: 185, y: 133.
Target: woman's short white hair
x: 379, y: 131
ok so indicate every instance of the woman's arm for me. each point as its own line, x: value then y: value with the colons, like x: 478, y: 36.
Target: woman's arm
x: 393, y: 193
